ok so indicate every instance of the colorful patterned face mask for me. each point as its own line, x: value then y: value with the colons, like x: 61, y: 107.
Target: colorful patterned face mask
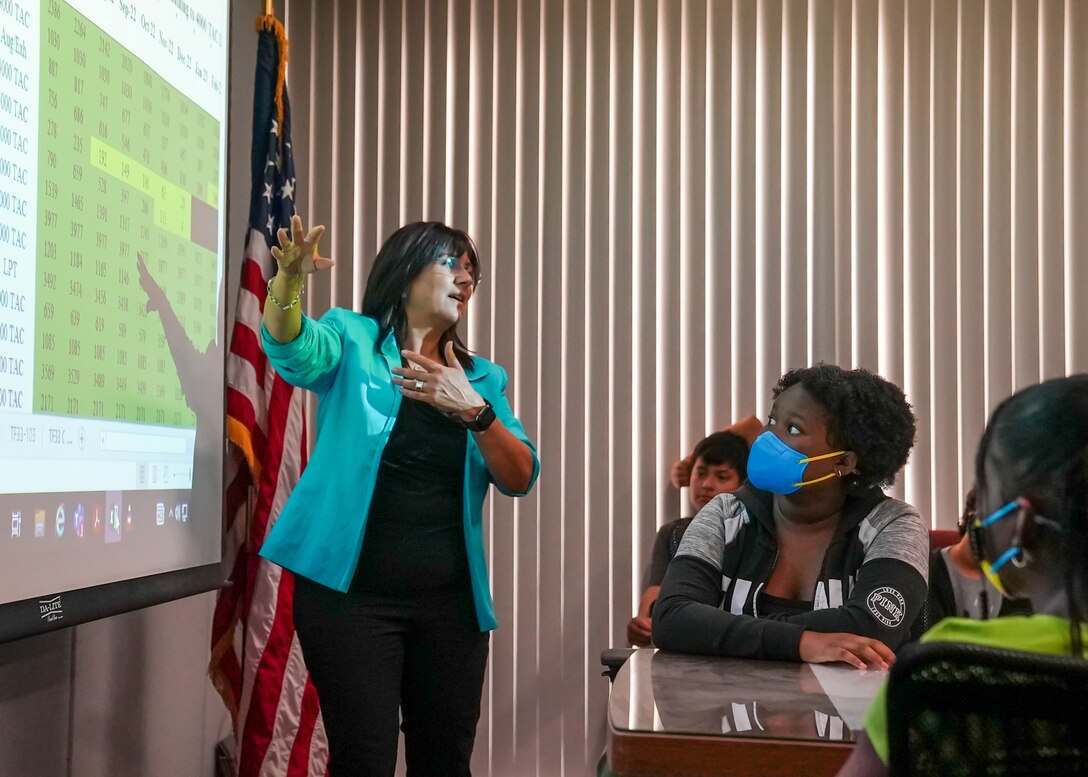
x: 990, y: 569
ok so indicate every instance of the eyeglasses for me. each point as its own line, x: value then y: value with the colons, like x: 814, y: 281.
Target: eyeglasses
x: 450, y: 262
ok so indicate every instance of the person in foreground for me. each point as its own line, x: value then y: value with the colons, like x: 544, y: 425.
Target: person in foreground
x: 384, y: 529
x: 809, y: 560
x: 1030, y: 536
x: 720, y: 466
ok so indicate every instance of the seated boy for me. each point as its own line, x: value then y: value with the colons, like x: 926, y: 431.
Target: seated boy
x: 719, y: 466
x: 749, y: 428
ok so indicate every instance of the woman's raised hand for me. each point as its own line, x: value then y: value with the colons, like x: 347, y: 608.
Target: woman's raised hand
x: 297, y: 254
x: 297, y: 257
x: 862, y: 652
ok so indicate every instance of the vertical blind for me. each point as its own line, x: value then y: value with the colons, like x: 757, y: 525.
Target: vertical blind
x: 676, y: 201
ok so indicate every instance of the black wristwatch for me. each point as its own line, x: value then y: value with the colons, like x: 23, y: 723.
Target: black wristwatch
x: 483, y: 419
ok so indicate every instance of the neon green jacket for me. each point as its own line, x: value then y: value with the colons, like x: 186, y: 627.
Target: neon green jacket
x: 1046, y: 634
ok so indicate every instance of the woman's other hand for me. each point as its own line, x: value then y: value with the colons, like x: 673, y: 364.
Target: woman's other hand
x: 862, y: 652
x: 445, y: 386
x: 509, y: 460
x: 298, y: 255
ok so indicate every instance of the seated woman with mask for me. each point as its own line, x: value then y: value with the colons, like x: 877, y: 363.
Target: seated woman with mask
x: 809, y: 560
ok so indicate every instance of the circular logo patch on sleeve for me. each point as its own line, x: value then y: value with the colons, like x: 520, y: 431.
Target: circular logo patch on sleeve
x: 887, y: 605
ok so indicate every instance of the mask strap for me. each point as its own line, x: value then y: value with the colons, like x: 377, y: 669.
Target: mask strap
x: 820, y: 458
x: 1050, y: 523
x: 999, y: 514
x: 828, y: 476
x: 1005, y: 558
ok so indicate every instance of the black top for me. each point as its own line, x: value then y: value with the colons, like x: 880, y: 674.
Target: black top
x: 770, y: 606
x: 665, y: 545
x: 415, y: 536
x: 872, y: 580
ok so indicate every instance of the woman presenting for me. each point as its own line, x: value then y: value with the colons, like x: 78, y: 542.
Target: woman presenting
x: 384, y: 529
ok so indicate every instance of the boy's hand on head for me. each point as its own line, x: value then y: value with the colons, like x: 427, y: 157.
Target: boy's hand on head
x: 680, y: 475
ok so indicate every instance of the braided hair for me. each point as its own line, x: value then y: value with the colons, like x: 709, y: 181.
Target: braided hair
x: 1042, y: 434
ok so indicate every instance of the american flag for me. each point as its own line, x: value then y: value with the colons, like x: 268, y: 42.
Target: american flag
x: 256, y: 663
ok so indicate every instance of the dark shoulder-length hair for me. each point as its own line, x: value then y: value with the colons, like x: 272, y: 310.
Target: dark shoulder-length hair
x: 1039, y: 438
x: 405, y: 254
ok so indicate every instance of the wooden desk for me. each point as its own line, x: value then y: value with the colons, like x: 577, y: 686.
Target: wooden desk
x: 697, y: 716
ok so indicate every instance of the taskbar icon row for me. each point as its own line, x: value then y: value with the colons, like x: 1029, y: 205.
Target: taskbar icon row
x: 107, y: 515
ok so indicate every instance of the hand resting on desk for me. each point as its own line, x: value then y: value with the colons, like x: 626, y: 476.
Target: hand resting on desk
x: 821, y: 648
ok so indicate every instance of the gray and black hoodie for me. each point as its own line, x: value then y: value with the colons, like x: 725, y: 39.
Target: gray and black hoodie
x: 872, y: 579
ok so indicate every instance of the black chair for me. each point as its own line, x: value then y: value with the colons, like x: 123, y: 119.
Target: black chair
x: 958, y: 710
x: 612, y: 659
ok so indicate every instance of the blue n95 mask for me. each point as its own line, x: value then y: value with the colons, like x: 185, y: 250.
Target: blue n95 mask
x: 776, y: 467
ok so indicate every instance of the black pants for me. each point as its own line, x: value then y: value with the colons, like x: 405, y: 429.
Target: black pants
x: 376, y: 657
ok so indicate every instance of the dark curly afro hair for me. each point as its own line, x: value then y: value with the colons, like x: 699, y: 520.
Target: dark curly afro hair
x: 866, y: 414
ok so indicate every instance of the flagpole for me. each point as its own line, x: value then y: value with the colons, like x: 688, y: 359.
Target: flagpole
x: 268, y: 428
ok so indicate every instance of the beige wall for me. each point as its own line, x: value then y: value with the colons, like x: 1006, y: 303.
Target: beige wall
x: 122, y: 697
x: 35, y: 696
x: 677, y: 200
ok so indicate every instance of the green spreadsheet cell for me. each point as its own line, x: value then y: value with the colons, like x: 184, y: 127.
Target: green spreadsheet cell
x: 129, y: 166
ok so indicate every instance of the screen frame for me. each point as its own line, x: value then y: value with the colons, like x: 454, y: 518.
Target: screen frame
x: 65, y: 609
x: 39, y: 615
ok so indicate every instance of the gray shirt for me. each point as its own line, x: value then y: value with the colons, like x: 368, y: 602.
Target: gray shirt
x: 968, y: 591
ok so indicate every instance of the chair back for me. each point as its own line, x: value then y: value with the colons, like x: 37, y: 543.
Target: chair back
x: 942, y: 538
x: 959, y: 710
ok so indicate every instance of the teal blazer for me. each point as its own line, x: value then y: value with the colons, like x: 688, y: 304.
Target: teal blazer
x: 319, y: 534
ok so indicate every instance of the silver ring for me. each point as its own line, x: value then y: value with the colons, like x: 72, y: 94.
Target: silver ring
x: 419, y: 385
